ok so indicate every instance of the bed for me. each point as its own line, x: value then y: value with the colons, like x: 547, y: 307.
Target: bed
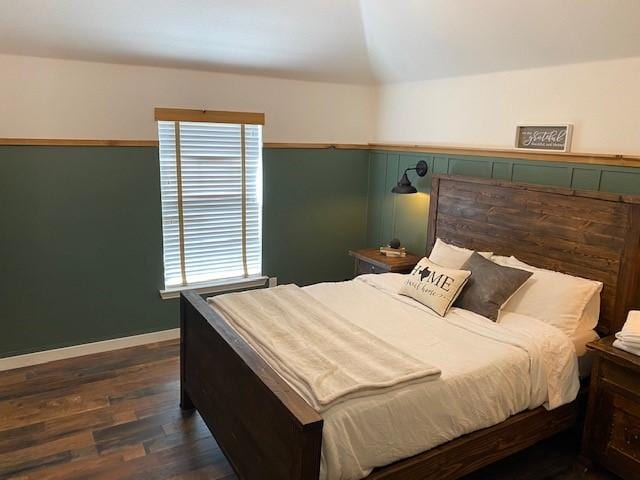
x: 267, y: 430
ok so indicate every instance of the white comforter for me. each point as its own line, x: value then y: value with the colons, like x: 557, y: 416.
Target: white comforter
x: 489, y: 372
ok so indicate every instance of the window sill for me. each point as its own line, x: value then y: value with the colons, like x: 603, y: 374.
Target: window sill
x: 218, y: 286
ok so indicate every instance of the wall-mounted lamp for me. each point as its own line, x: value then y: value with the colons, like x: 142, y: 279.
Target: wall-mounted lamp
x: 404, y: 185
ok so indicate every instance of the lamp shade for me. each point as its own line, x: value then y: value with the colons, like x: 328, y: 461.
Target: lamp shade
x: 404, y: 184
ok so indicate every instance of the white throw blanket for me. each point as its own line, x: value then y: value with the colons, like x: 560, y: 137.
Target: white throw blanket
x: 324, y: 357
x: 628, y: 338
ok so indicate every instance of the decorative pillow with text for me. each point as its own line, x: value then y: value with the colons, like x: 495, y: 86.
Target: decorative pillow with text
x: 434, y: 286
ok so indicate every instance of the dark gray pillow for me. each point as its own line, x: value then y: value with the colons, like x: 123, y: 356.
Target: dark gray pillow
x: 489, y: 286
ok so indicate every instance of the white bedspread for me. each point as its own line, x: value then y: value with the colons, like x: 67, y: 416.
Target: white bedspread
x: 325, y: 357
x: 489, y: 372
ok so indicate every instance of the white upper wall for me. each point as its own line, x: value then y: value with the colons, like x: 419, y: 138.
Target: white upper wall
x: 49, y: 98
x: 602, y: 100
x: 450, y: 50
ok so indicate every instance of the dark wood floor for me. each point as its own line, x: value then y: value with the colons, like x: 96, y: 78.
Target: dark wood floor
x: 115, y: 415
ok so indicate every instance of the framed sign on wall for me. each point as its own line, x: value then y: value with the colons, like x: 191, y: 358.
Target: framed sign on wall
x: 550, y: 138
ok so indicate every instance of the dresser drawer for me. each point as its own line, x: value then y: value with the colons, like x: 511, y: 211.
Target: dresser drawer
x: 612, y: 426
x: 625, y: 430
x: 616, y: 375
x: 619, y: 445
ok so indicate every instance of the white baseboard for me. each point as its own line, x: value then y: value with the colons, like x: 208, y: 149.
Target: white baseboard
x: 45, y: 356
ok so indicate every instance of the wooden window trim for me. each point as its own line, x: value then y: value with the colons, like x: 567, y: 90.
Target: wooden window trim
x: 243, y: 147
x: 69, y: 142
x: 183, y: 260
x: 210, y: 116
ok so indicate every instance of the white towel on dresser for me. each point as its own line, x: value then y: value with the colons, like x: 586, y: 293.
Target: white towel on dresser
x: 631, y: 328
x: 630, y: 342
x: 628, y: 339
x: 626, y: 347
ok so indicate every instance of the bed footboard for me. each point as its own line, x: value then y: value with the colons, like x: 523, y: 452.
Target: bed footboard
x: 265, y: 429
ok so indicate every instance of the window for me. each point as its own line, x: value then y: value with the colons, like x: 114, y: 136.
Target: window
x: 211, y: 188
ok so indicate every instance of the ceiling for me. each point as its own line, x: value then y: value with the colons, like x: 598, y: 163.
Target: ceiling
x: 352, y: 41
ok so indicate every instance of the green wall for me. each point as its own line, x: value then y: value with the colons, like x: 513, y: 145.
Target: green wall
x: 81, y: 236
x: 81, y: 246
x: 405, y: 216
x: 315, y: 203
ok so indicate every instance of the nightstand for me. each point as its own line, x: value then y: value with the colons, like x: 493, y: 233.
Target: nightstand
x: 370, y: 260
x: 612, y: 427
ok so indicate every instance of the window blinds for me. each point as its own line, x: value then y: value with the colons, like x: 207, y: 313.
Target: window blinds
x: 211, y: 187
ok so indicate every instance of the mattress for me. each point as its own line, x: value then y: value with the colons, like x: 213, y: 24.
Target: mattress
x: 489, y: 372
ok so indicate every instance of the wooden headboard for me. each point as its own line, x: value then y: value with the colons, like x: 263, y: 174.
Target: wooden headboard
x: 588, y: 234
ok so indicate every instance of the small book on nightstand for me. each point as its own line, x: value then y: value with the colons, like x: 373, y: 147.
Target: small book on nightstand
x: 393, y: 252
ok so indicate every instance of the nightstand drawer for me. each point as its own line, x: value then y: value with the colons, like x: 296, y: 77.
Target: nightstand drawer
x: 370, y: 260
x: 364, y: 267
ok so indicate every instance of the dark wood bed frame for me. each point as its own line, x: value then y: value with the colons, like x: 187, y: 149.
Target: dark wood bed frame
x: 267, y: 431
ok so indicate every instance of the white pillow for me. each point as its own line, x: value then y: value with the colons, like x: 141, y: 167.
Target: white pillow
x: 450, y: 256
x: 591, y: 314
x: 435, y: 286
x: 553, y: 297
